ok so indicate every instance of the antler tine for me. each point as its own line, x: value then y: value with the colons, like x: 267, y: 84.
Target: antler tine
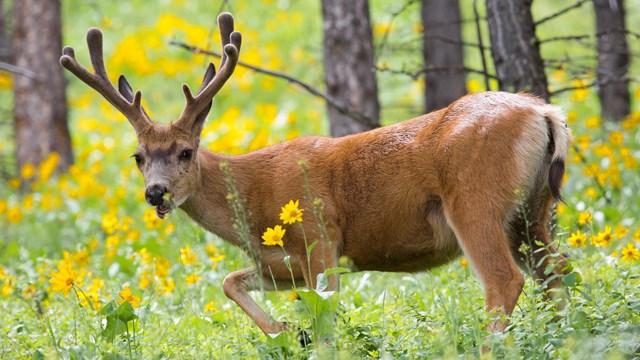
x: 100, y: 81
x: 231, y: 42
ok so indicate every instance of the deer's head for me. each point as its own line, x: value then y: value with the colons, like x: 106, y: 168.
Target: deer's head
x: 167, y: 155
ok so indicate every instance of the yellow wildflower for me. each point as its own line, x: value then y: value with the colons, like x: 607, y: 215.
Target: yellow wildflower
x: 577, y: 239
x: 584, y: 217
x: 591, y: 192
x: 145, y: 256
x: 48, y: 166
x: 27, y: 171
x: 29, y: 292
x: 193, y: 278
x: 290, y: 213
x: 210, y: 307
x: 63, y: 279
x: 150, y: 219
x: 273, y: 236
x: 214, y: 254
x: 7, y: 289
x: 165, y: 286
x: 81, y: 258
x: 162, y: 267
x: 146, y: 279
x: 604, y: 238
x: 636, y: 236
x: 110, y: 222
x: 620, y: 231
x: 126, y: 295
x: 187, y: 256
x: 14, y: 215
x: 592, y: 122
x: 464, y: 263
x: 630, y: 253
x: 616, y: 138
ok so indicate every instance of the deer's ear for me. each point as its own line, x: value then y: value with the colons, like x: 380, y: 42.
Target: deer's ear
x: 124, y: 88
x: 198, y: 123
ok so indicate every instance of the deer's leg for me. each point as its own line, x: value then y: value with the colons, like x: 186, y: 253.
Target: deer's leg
x: 237, y: 285
x: 485, y: 243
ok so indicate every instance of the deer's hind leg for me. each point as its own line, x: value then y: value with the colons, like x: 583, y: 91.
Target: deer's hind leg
x: 479, y: 227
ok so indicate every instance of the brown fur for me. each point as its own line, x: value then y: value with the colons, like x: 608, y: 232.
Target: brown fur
x: 477, y: 178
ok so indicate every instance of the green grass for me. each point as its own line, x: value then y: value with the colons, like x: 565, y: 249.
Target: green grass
x: 96, y: 217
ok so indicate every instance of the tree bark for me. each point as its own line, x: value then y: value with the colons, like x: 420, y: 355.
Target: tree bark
x: 613, y: 59
x: 348, y: 64
x: 40, y: 113
x: 5, y: 45
x: 515, y: 48
x: 442, y: 48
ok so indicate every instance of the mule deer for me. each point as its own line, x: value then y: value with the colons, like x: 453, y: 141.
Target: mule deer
x: 406, y: 197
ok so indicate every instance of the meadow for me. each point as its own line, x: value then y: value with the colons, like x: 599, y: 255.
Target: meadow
x: 88, y: 271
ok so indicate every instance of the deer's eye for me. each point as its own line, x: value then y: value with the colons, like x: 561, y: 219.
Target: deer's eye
x: 186, y: 154
x: 137, y: 158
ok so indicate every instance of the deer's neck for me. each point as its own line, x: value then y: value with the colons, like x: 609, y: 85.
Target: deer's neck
x: 208, y: 205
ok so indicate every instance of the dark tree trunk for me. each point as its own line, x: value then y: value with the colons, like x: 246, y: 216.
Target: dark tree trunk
x: 5, y: 44
x: 348, y: 64
x: 515, y: 48
x: 442, y: 51
x: 40, y: 104
x: 613, y: 59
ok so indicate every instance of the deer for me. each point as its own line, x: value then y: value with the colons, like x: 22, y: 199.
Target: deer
x: 406, y: 197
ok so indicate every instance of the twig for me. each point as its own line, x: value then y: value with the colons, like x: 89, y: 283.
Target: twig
x: 487, y: 85
x: 595, y: 83
x: 448, y: 40
x: 589, y: 36
x: 385, y: 36
x: 443, y: 68
x: 18, y: 70
x: 561, y: 12
x: 340, y: 106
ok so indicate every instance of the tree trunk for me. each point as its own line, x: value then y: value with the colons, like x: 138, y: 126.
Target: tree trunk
x: 442, y: 52
x: 40, y: 104
x: 613, y: 59
x: 348, y: 64
x: 515, y: 48
x: 5, y: 45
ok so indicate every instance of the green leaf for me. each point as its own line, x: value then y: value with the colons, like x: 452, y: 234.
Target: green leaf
x: 572, y: 279
x: 125, y: 312
x: 37, y: 355
x: 337, y: 270
x: 109, y: 308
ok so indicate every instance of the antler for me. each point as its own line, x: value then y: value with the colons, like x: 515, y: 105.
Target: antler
x: 212, y: 83
x: 127, y: 103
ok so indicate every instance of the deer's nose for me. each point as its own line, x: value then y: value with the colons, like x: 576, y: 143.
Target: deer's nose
x: 154, y: 194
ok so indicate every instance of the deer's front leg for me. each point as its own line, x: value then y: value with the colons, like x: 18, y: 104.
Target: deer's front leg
x: 237, y: 285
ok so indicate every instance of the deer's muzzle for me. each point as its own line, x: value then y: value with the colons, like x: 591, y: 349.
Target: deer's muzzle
x: 155, y: 195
